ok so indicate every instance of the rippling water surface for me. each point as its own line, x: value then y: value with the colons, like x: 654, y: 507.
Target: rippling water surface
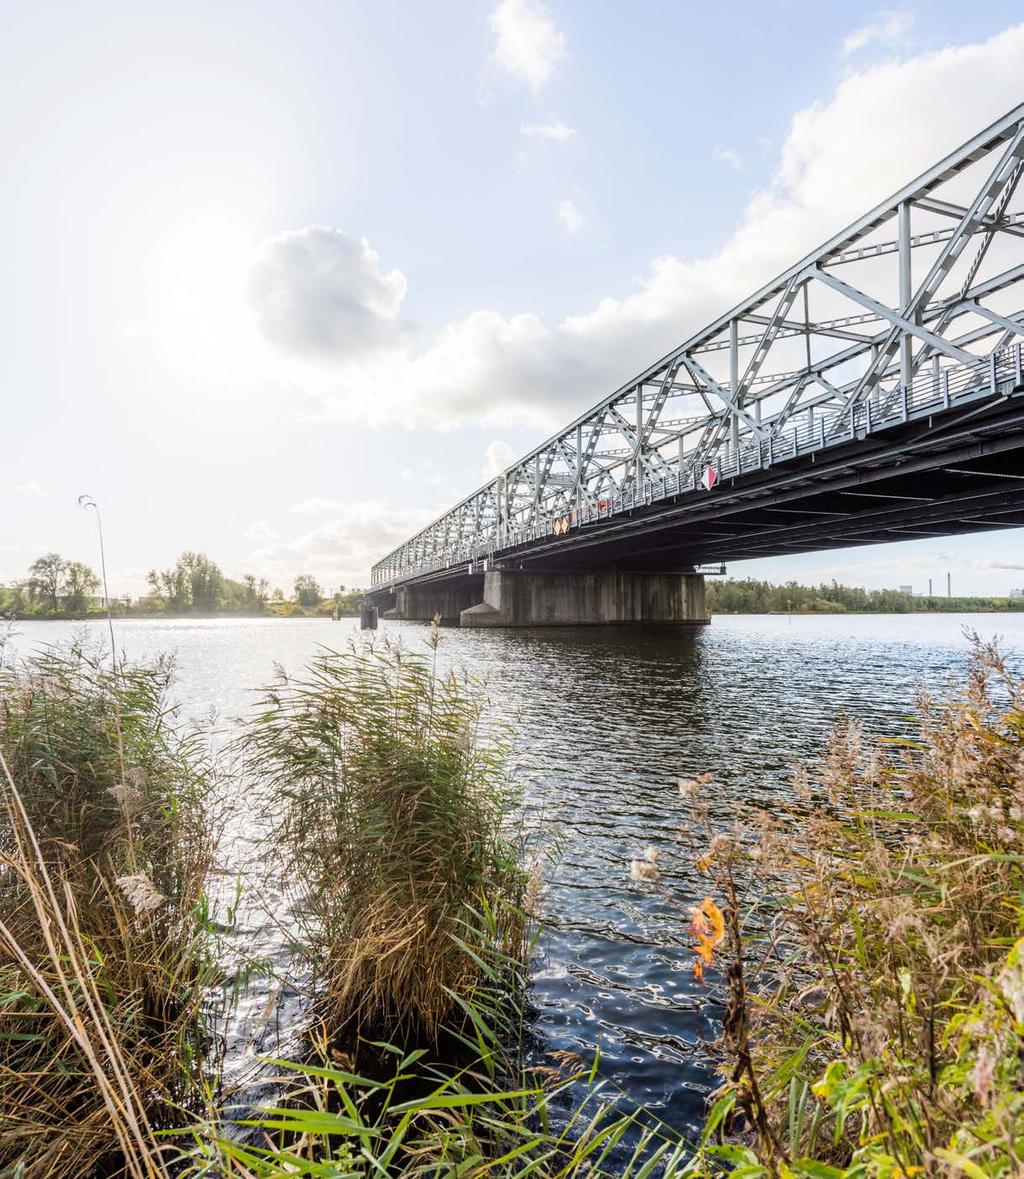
x: 605, y: 720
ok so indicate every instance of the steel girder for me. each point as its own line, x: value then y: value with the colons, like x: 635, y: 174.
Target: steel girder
x: 916, y: 304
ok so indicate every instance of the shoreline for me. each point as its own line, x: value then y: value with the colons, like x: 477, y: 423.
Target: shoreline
x: 169, y: 616
x: 179, y: 617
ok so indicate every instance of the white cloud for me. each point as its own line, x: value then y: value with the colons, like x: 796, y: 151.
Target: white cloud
x: 569, y: 216
x: 24, y: 489
x: 261, y: 532
x: 729, y: 156
x: 890, y: 28
x: 527, y: 42
x: 556, y: 131
x: 340, y: 552
x: 315, y: 506
x: 498, y: 457
x: 882, y: 125
x: 317, y: 292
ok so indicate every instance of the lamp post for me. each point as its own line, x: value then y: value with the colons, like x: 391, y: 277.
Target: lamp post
x: 88, y: 504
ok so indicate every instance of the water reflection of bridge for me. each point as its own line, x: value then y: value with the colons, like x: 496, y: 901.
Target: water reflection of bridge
x: 872, y: 392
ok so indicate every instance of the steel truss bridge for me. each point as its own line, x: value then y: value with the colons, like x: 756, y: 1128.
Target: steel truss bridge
x: 872, y: 392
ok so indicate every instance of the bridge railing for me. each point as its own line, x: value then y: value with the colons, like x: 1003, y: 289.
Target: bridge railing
x: 999, y: 372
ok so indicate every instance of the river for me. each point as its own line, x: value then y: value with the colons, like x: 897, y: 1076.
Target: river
x: 605, y: 721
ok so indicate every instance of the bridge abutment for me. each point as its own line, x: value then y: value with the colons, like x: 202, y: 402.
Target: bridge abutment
x: 588, y: 598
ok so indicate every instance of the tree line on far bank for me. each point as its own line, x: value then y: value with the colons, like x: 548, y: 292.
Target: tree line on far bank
x: 59, y: 588
x: 750, y: 596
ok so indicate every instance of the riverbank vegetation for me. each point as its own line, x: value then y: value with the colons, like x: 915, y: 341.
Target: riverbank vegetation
x: 862, y: 943
x: 411, y: 894
x: 750, y: 596
x: 874, y: 1017
x: 56, y: 588
x: 106, y: 839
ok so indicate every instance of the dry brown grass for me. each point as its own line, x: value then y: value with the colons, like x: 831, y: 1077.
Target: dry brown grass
x: 104, y: 845
x: 875, y: 1001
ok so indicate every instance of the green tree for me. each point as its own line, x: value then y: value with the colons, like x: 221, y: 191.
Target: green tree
x: 205, y: 581
x: 79, y: 584
x: 46, y: 579
x: 347, y: 604
x: 307, y: 590
x: 233, y: 595
x: 172, y: 586
x: 194, y: 581
x: 256, y: 592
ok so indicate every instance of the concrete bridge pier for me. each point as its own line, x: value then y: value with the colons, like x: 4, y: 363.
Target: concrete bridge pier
x: 588, y: 598
x: 416, y: 603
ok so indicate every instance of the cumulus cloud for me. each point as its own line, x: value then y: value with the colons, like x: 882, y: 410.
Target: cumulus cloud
x: 569, y: 217
x: 498, y: 457
x: 318, y: 292
x: 340, y: 551
x: 528, y: 44
x: 555, y: 131
x: 729, y: 156
x: 882, y: 125
x: 890, y: 28
x: 260, y: 531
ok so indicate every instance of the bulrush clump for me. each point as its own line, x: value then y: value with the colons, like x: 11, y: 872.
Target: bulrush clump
x: 104, y: 846
x: 881, y: 1029
x: 392, y: 808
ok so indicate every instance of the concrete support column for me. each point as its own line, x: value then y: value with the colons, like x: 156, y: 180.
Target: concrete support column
x: 420, y: 603
x: 588, y: 598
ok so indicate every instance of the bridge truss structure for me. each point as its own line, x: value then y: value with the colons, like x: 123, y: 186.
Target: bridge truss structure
x: 916, y: 307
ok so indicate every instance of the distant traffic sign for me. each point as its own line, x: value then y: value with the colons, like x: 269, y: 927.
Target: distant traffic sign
x: 709, y: 478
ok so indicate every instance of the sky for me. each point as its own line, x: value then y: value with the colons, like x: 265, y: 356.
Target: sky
x: 282, y: 282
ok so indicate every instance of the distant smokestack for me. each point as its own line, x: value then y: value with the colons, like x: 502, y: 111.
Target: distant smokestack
x: 949, y: 585
x: 929, y: 587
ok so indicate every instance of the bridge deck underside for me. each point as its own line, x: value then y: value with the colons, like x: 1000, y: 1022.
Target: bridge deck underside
x: 924, y: 480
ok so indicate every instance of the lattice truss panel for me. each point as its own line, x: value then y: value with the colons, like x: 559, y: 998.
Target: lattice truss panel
x: 916, y: 302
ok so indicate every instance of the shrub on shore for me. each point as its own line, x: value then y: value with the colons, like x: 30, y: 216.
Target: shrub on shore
x: 104, y: 847
x: 875, y: 1014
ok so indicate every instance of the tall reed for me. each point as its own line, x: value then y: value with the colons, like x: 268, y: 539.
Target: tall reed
x: 392, y: 807
x: 105, y: 842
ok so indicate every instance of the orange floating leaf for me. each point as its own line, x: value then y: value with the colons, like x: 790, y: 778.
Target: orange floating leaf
x: 698, y: 970
x: 705, y: 862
